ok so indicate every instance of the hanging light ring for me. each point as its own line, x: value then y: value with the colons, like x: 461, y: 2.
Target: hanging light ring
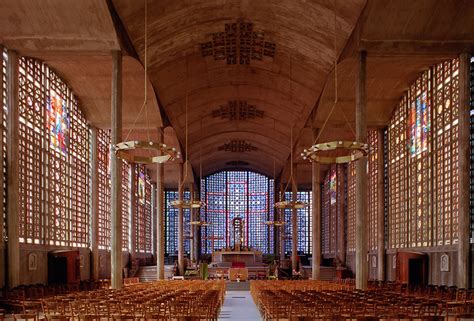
x: 291, y: 205
x: 356, y: 150
x: 187, y: 204
x: 124, y: 151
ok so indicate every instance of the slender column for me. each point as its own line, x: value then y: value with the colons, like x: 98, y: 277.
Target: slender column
x: 197, y: 228
x: 282, y: 217
x: 341, y: 244
x: 464, y: 174
x: 160, y: 220
x: 154, y: 218
x: 116, y: 172
x: 192, y: 230
x: 361, y: 177
x: 13, y: 171
x: 316, y: 217
x: 180, y: 222
x: 380, y: 208
x: 133, y: 210
x: 294, y: 223
x: 94, y: 204
x: 3, y: 268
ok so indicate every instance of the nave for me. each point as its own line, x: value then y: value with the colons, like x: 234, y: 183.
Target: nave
x: 157, y: 157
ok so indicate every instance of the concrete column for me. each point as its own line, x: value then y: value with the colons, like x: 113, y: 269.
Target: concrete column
x: 116, y: 172
x: 197, y: 228
x: 341, y: 244
x: 464, y: 173
x: 94, y: 204
x: 294, y: 222
x: 192, y: 230
x: 380, y: 208
x: 133, y: 210
x: 13, y: 171
x: 160, y: 219
x: 281, y: 214
x: 154, y: 219
x: 361, y: 177
x: 180, y: 222
x: 316, y: 217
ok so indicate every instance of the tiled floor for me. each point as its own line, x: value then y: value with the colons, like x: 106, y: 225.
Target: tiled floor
x: 239, y: 306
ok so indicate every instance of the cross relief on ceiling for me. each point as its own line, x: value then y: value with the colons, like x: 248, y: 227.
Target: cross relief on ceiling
x: 237, y: 146
x: 238, y: 44
x: 237, y: 110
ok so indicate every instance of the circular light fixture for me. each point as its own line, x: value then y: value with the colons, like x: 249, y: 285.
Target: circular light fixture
x: 356, y: 150
x: 187, y: 204
x: 291, y: 205
x: 124, y: 151
x: 200, y: 223
x: 274, y: 223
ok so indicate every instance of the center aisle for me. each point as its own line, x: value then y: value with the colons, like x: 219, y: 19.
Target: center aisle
x: 239, y: 306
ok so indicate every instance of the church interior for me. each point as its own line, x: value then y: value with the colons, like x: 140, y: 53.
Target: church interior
x: 236, y: 160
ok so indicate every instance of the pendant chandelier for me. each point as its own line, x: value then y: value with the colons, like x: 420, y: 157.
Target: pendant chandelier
x: 291, y: 204
x: 352, y: 150
x: 198, y: 222
x: 187, y: 204
x: 144, y: 152
x: 278, y: 221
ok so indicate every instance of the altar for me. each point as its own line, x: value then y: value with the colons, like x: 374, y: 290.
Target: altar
x: 247, y: 257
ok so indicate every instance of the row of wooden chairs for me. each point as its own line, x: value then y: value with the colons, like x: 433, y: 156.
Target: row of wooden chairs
x: 316, y: 300
x: 161, y: 300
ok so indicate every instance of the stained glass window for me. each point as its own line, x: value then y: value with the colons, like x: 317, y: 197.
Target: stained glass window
x: 419, y: 116
x: 54, y: 172
x: 304, y: 220
x: 372, y: 188
x: 58, y: 122
x: 142, y: 208
x: 333, y: 187
x: 423, y: 181
x: 329, y: 214
x: 231, y: 194
x: 171, y: 223
x: 103, y: 154
x: 325, y: 216
x: 32, y: 135
x: 372, y: 195
x: 126, y: 192
x: 420, y: 226
x: 445, y: 152
x: 215, y: 212
x: 351, y: 212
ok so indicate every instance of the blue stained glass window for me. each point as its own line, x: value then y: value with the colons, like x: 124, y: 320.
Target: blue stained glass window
x: 231, y: 194
x: 304, y: 224
x: 171, y: 223
x: 215, y: 212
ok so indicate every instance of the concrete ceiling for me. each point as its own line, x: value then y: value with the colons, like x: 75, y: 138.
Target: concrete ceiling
x: 286, y: 87
x: 295, y: 88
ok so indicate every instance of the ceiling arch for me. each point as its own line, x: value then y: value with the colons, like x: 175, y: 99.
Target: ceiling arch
x: 286, y: 87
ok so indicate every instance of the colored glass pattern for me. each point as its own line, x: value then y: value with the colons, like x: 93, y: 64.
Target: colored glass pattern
x: 231, y: 194
x: 103, y: 154
x: 423, y: 188
x: 54, y: 178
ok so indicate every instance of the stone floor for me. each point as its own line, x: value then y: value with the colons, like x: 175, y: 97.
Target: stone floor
x: 239, y: 306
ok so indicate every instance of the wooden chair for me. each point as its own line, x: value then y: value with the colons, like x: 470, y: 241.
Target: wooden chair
x: 89, y: 317
x: 25, y: 317
x: 129, y: 317
x: 57, y: 317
